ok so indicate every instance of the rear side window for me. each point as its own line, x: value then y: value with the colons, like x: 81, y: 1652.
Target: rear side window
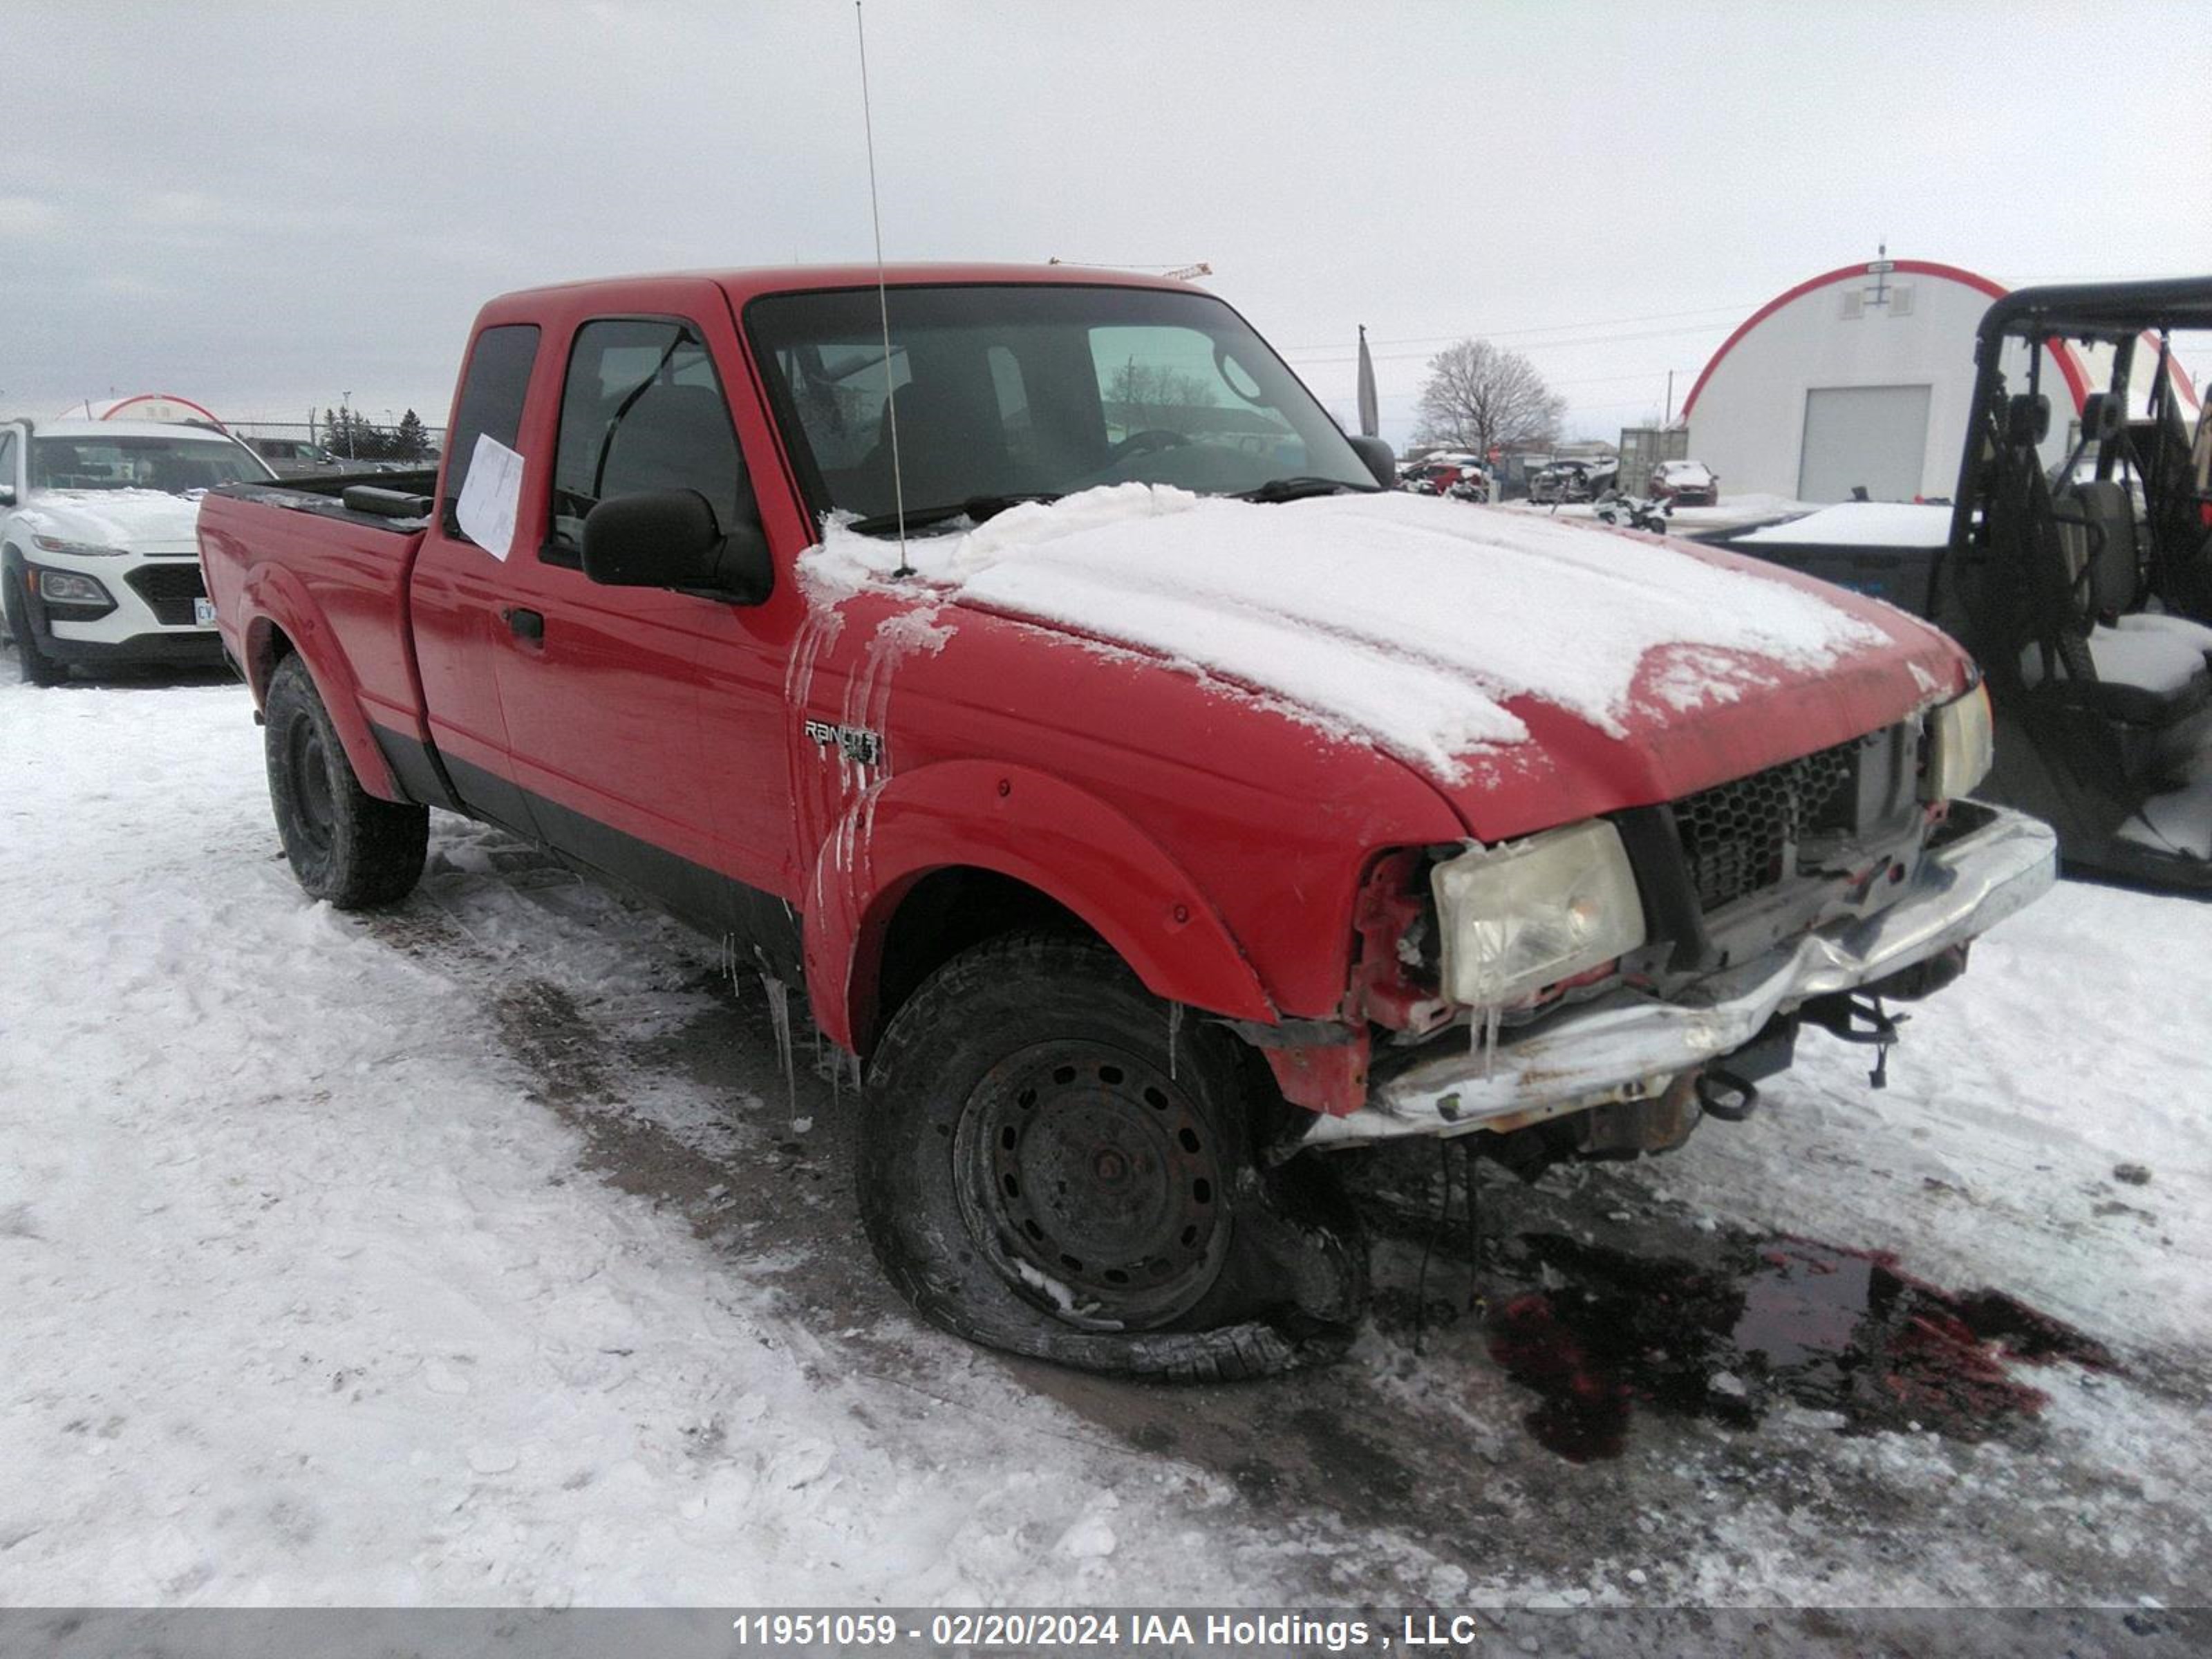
x: 641, y: 410
x: 493, y: 387
x: 8, y: 458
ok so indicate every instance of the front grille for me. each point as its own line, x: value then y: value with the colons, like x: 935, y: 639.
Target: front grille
x: 169, y: 591
x: 1740, y: 838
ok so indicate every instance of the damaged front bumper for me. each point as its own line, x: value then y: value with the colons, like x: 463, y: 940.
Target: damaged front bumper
x: 1631, y: 1046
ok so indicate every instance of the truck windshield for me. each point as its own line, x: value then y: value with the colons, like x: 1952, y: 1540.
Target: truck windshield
x: 174, y: 464
x: 1029, y: 391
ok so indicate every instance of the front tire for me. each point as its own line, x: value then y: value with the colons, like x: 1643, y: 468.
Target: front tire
x: 344, y: 844
x: 1041, y: 1172
x: 35, y: 666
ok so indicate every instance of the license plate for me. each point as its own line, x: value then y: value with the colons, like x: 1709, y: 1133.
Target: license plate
x: 204, y: 613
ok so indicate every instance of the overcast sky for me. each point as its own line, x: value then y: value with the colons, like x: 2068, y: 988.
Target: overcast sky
x: 265, y: 207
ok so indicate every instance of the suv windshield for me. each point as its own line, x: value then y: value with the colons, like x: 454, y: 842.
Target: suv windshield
x: 174, y: 464
x: 1034, y: 391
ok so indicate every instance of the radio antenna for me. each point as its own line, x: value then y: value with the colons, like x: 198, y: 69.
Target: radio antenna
x: 882, y: 299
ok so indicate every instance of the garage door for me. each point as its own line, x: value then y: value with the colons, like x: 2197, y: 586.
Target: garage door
x: 1863, y: 436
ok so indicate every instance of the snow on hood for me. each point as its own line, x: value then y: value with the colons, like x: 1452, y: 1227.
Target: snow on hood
x: 1408, y: 621
x: 136, y: 518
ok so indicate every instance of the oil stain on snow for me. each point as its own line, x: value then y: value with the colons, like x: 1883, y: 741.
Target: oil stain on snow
x: 1782, y: 1321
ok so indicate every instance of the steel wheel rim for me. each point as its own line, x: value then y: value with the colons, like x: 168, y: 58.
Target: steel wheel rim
x: 1087, y: 1176
x: 316, y: 804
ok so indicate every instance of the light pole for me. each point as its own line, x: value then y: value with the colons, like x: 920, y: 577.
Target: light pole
x: 345, y: 409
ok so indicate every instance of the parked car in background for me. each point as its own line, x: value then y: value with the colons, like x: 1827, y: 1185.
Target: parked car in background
x: 294, y: 458
x: 1460, y: 475
x: 1686, y: 483
x: 99, y: 565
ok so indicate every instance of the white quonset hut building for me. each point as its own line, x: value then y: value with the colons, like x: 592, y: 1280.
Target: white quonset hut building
x: 1858, y: 379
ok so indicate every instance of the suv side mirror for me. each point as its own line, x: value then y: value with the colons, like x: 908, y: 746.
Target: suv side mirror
x: 1378, y: 455
x: 669, y: 538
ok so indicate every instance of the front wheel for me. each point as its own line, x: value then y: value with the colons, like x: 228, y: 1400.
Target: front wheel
x: 35, y: 666
x: 344, y: 844
x: 1051, y: 1166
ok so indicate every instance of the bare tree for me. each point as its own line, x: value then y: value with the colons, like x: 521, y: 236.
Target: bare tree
x: 1478, y: 397
x: 1151, y: 396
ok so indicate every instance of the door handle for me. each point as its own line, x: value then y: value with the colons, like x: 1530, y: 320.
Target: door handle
x: 524, y: 624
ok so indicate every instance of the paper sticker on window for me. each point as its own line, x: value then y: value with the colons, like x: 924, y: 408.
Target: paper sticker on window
x: 490, y: 497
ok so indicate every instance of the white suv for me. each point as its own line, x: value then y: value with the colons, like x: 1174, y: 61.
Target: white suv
x: 99, y: 563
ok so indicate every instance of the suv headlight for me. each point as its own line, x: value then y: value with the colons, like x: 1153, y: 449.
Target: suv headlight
x: 1961, y: 745
x: 68, y: 587
x: 1517, y: 917
x: 78, y: 549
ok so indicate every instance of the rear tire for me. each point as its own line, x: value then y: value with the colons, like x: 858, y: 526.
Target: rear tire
x: 35, y: 666
x: 344, y: 844
x: 1040, y: 1174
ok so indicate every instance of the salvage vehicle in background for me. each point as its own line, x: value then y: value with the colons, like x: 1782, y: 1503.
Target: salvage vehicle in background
x: 99, y: 565
x: 1147, y: 810
x: 1461, y: 476
x: 1573, y: 480
x: 1685, y: 483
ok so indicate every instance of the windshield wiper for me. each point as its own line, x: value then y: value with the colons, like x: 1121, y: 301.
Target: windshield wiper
x: 1298, y: 488
x: 978, y: 507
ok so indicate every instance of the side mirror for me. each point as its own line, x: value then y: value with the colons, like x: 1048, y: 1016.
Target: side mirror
x: 669, y: 538
x: 1379, y: 459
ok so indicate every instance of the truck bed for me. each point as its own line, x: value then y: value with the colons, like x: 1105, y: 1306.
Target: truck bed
x: 344, y: 572
x: 399, y: 502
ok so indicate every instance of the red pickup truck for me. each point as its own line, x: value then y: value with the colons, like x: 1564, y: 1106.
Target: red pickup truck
x: 1023, y: 662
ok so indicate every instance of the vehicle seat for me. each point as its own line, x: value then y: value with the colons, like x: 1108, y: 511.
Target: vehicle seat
x: 2096, y: 518
x: 947, y: 450
x: 676, y: 437
x: 2096, y: 529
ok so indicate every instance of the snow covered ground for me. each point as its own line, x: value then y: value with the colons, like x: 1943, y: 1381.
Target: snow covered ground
x: 470, y: 1253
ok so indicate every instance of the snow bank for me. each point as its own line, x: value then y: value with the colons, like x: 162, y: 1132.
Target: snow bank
x: 1406, y: 621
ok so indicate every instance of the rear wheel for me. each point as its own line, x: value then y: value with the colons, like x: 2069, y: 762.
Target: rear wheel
x: 344, y: 844
x: 35, y: 666
x: 1045, y: 1169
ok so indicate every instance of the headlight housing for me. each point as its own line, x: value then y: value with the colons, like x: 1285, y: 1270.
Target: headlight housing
x: 1517, y: 917
x: 69, y: 587
x: 78, y: 549
x: 1961, y: 746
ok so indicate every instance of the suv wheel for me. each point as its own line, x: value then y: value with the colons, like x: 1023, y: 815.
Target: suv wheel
x: 1040, y: 1171
x: 36, y: 666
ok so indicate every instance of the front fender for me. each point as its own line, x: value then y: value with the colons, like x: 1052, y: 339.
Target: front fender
x: 273, y: 600
x: 1037, y: 829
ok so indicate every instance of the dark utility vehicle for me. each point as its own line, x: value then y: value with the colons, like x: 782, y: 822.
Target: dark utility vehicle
x: 2087, y: 591
x: 2084, y: 588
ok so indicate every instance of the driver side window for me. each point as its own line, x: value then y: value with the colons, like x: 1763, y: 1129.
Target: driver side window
x: 643, y: 410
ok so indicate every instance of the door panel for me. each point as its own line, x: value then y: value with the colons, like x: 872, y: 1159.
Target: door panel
x: 457, y: 589
x: 640, y: 711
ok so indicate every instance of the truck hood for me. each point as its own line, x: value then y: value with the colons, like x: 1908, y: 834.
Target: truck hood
x: 1533, y: 671
x: 141, y: 520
